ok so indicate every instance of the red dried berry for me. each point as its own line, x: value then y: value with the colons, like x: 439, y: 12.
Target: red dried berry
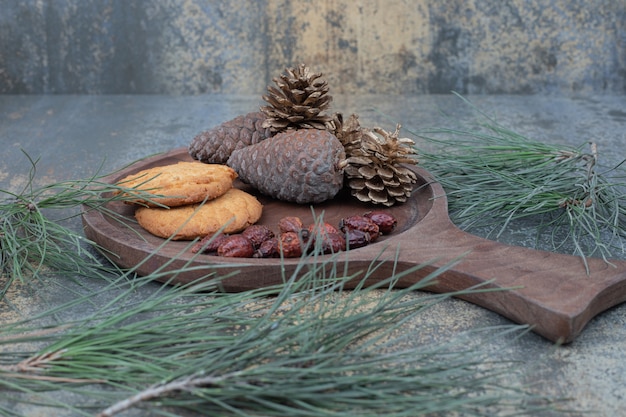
x: 268, y: 249
x: 356, y: 238
x: 333, y: 243
x: 257, y: 234
x: 290, y: 245
x: 385, y: 221
x: 236, y: 246
x: 290, y: 224
x: 209, y: 243
x: 362, y: 223
x: 317, y: 231
x: 321, y: 228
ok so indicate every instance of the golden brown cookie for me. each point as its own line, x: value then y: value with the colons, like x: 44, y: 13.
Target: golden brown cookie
x: 234, y: 211
x: 182, y: 183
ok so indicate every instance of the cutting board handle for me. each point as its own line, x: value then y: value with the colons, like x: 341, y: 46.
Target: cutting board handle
x: 552, y: 292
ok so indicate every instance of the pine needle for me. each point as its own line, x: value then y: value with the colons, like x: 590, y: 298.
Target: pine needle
x: 303, y: 348
x: 35, y: 236
x: 495, y: 177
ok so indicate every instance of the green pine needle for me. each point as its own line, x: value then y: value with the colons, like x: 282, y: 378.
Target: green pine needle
x: 303, y: 348
x: 494, y: 177
x: 34, y: 234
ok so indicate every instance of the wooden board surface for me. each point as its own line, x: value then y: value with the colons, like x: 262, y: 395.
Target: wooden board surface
x: 551, y: 291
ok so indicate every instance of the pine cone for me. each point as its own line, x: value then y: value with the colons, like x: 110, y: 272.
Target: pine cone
x: 302, y: 166
x: 215, y: 145
x: 348, y: 132
x: 298, y: 102
x: 374, y: 172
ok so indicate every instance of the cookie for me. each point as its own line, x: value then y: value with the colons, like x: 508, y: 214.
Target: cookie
x: 233, y: 211
x: 181, y: 184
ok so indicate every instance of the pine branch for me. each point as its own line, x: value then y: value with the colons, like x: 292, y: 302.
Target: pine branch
x: 157, y: 391
x: 495, y: 177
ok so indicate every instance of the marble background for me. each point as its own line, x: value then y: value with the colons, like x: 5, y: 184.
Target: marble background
x: 366, y: 46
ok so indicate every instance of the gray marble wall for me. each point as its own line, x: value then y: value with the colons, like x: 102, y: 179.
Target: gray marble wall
x: 366, y: 46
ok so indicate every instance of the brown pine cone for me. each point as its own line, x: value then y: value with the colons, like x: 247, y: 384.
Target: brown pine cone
x: 302, y: 166
x: 215, y: 145
x: 298, y: 101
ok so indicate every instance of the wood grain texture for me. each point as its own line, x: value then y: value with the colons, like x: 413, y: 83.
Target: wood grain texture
x: 550, y: 291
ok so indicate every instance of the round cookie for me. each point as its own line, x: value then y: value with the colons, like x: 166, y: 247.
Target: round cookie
x: 233, y: 211
x: 181, y: 183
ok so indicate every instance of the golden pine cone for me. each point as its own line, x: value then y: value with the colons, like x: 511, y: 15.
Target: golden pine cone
x: 298, y: 101
x: 215, y: 145
x: 375, y: 173
x: 348, y: 132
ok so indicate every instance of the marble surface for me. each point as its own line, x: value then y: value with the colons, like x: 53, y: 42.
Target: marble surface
x: 370, y: 46
x: 78, y: 136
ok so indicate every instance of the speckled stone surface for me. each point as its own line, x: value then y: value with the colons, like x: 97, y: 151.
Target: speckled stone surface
x: 74, y: 135
x: 370, y: 46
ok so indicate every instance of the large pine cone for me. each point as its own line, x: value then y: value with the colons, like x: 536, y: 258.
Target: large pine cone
x: 299, y: 101
x: 215, y: 145
x: 302, y: 166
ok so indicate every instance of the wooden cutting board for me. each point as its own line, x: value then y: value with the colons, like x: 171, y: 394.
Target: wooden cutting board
x: 549, y: 291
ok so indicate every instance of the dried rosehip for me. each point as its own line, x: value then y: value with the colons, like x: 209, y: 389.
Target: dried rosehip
x: 356, y: 238
x: 290, y: 245
x: 317, y: 231
x: 290, y: 224
x: 268, y: 249
x: 209, y: 243
x: 333, y: 243
x: 362, y: 223
x: 385, y: 221
x: 236, y: 246
x: 258, y: 233
x: 321, y: 228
